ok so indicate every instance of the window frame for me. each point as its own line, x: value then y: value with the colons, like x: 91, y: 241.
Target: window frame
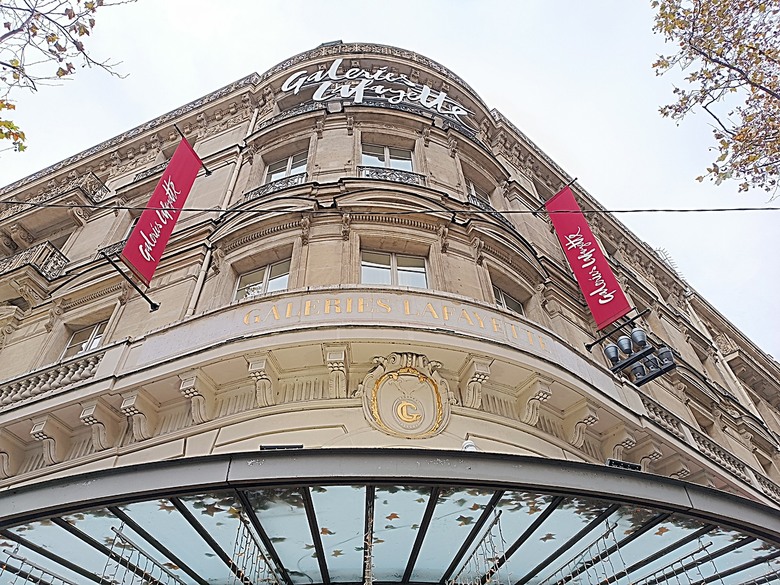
x: 393, y: 269
x: 501, y: 295
x: 476, y: 191
x: 386, y: 150
x: 288, y: 160
x: 93, y: 340
x: 267, y: 269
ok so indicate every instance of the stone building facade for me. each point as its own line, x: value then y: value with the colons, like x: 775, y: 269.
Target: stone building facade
x: 360, y: 270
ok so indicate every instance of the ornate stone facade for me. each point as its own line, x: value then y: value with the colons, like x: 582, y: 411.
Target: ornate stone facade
x: 353, y: 302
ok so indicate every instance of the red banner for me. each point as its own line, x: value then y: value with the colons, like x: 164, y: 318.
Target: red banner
x: 603, y: 294
x: 147, y: 242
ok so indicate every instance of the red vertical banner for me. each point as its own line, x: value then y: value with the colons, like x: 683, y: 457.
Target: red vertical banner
x: 147, y: 242
x: 598, y: 284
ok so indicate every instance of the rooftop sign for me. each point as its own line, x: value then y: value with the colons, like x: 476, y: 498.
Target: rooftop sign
x: 382, y: 84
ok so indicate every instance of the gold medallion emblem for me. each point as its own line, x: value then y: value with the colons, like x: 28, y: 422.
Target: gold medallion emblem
x: 404, y: 396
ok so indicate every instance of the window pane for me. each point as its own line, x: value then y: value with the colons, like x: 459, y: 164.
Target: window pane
x: 478, y: 192
x: 250, y: 283
x: 277, y: 170
x: 278, y: 283
x: 298, y: 165
x: 505, y: 301
x: 513, y: 305
x: 412, y: 277
x: 411, y: 271
x: 373, y: 156
x: 401, y: 159
x: 278, y: 277
x: 377, y: 258
x: 375, y: 268
x: 411, y: 262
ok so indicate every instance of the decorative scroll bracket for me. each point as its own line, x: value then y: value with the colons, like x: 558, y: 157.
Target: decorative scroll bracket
x: 201, y: 392
x: 530, y: 397
x: 141, y: 411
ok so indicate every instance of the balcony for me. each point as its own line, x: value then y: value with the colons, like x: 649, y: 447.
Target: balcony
x: 275, y: 186
x: 113, y: 249
x: 150, y: 171
x: 492, y: 211
x: 386, y: 174
x: 47, y: 260
x: 88, y: 183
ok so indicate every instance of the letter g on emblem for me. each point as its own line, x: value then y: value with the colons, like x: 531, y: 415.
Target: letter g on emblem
x: 404, y: 396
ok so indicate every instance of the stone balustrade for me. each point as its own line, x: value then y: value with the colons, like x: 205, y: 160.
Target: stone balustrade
x: 43, y: 383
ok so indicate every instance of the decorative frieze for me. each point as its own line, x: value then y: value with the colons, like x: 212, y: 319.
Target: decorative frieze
x: 576, y: 421
x: 199, y: 389
x: 264, y: 377
x: 530, y: 396
x: 473, y: 375
x: 11, y: 454
x: 141, y: 412
x: 54, y: 436
x: 103, y: 421
x: 616, y: 442
x: 336, y: 360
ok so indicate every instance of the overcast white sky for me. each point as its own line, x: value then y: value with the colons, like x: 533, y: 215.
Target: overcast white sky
x: 574, y: 76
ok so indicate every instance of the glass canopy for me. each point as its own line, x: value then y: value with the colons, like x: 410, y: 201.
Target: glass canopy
x: 311, y: 532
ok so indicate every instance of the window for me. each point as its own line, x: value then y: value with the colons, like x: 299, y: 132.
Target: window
x: 386, y: 156
x: 475, y: 191
x: 85, y: 339
x: 393, y: 269
x: 504, y: 301
x: 287, y: 167
x: 267, y: 279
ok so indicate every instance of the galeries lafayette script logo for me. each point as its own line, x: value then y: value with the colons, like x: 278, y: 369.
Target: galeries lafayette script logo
x: 359, y: 84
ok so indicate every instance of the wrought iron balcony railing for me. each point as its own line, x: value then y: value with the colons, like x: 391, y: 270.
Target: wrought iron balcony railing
x: 387, y: 174
x: 150, y: 171
x: 112, y: 249
x: 44, y: 257
x: 492, y: 211
x: 275, y: 186
x: 94, y: 189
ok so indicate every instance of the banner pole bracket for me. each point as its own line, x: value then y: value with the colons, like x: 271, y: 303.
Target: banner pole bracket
x: 536, y: 211
x: 208, y: 172
x: 152, y: 305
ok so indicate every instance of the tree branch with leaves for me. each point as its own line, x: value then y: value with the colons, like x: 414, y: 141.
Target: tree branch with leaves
x: 42, y: 43
x: 730, y: 52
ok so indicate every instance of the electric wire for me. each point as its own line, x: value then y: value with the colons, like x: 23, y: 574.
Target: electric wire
x: 334, y: 208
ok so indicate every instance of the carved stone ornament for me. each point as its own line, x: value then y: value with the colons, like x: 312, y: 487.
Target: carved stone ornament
x: 404, y: 396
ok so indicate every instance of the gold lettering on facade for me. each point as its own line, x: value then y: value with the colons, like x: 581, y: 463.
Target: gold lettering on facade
x: 403, y: 412
x: 384, y: 305
x: 412, y: 309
